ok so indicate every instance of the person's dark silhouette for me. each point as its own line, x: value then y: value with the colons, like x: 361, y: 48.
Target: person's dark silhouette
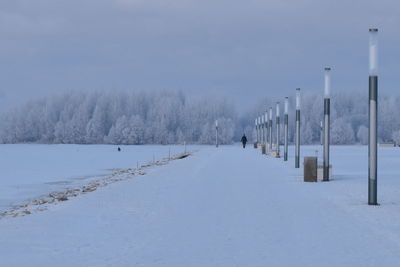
x: 119, y: 149
x: 244, y: 140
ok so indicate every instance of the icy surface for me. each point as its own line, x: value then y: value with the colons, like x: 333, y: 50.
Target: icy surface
x: 28, y: 171
x: 221, y: 207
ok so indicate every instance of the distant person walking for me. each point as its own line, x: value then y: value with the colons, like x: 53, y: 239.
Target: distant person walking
x: 244, y: 140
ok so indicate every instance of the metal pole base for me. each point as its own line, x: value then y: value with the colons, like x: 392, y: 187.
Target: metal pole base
x: 297, y: 149
x: 372, y: 193
x: 327, y: 108
x: 372, y: 147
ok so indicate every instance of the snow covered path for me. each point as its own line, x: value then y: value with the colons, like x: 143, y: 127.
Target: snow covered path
x: 219, y: 207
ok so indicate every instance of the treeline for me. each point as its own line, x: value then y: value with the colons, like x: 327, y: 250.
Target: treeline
x: 165, y: 117
x: 349, y: 118
x: 169, y: 117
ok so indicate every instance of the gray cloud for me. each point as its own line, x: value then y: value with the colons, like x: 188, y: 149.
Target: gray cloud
x: 245, y: 49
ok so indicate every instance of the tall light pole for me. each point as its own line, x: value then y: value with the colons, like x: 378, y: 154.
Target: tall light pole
x: 297, y: 150
x: 216, y: 133
x: 263, y: 128
x: 327, y: 112
x: 258, y: 131
x: 259, y: 126
x: 270, y: 129
x: 278, y: 129
x: 256, y: 126
x: 266, y: 128
x: 285, y: 153
x: 373, y: 118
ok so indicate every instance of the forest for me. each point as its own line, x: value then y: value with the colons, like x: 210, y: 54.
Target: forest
x: 349, y: 117
x: 171, y: 117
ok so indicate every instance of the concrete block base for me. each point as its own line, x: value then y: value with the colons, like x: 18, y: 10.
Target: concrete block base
x: 320, y: 173
x: 274, y: 154
x: 263, y: 149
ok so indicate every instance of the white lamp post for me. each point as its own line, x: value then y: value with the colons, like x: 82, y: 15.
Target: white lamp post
x: 266, y: 128
x: 373, y: 118
x: 285, y: 156
x: 297, y: 150
x: 278, y: 128
x: 216, y: 133
x: 327, y: 103
x: 270, y: 129
x: 256, y: 126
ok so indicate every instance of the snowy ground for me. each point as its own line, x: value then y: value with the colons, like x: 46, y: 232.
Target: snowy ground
x: 220, y: 207
x: 28, y: 171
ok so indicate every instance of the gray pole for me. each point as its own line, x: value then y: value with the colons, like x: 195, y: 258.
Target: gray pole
x: 297, y: 150
x: 278, y: 129
x: 216, y: 133
x: 327, y: 103
x: 266, y: 128
x: 285, y: 156
x: 255, y: 123
x: 373, y: 118
x: 259, y: 127
x: 258, y: 131
x: 270, y: 129
x: 267, y: 132
x: 261, y: 130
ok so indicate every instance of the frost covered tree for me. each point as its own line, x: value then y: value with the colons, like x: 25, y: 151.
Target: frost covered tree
x: 362, y: 135
x: 168, y: 117
x: 164, y: 117
x: 119, y: 132
x: 137, y: 130
x: 396, y: 137
x: 341, y: 132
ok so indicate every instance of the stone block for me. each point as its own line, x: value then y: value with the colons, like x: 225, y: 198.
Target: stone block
x: 310, y: 169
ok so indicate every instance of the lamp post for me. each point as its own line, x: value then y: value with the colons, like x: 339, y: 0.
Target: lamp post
x: 373, y: 118
x: 258, y: 131
x: 297, y: 150
x: 270, y: 129
x: 278, y: 129
x: 327, y: 103
x: 216, y: 133
x: 285, y: 153
x: 256, y: 126
x: 260, y: 123
x: 266, y: 128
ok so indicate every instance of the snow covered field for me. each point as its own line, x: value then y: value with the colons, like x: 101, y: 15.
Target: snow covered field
x: 28, y: 171
x: 219, y: 207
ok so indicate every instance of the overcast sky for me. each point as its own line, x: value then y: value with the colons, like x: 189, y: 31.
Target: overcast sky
x: 243, y: 49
